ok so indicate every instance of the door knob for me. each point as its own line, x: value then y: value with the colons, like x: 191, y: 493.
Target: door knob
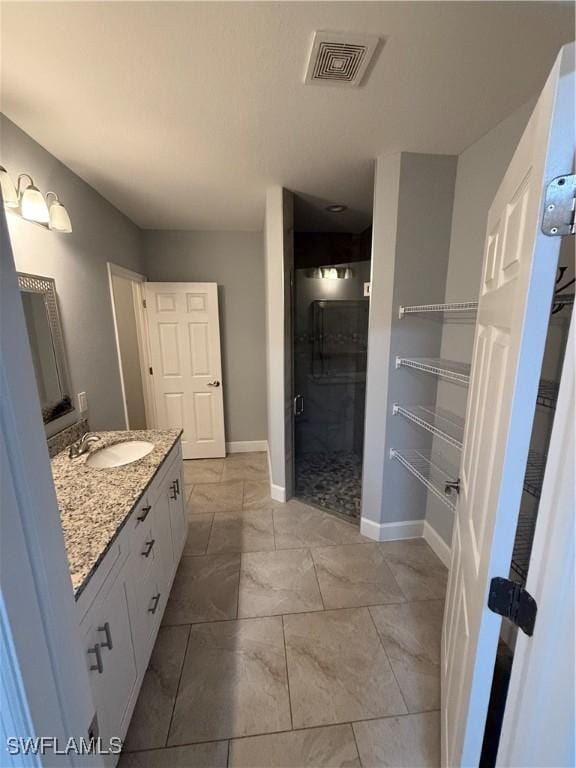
x: 213, y: 383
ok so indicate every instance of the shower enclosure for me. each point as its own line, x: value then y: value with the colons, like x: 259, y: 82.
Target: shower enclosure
x: 330, y: 343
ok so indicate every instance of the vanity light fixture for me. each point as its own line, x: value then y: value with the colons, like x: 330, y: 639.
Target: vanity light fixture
x: 26, y: 200
x: 32, y: 204
x: 9, y: 193
x: 59, y: 218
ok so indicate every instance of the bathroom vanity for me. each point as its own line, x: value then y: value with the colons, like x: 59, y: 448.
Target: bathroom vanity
x: 124, y: 529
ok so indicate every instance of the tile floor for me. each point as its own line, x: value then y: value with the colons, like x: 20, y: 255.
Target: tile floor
x: 289, y: 640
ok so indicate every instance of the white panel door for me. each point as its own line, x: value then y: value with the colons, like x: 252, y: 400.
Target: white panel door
x: 187, y: 370
x: 538, y: 727
x: 514, y: 309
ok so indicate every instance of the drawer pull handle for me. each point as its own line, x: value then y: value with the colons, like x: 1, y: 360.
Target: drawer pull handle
x: 144, y: 515
x: 154, y: 606
x: 106, y: 630
x: 149, y: 546
x: 98, y: 667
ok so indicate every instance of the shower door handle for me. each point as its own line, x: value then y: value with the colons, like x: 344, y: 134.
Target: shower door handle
x: 298, y: 405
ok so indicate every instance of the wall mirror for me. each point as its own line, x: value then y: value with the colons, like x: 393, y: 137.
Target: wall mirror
x: 47, y: 346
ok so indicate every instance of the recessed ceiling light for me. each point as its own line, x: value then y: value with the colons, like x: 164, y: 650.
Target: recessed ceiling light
x: 336, y: 208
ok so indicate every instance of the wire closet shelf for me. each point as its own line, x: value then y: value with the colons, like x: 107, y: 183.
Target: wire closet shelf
x: 438, y: 421
x: 454, y: 306
x: 445, y: 369
x: 431, y: 469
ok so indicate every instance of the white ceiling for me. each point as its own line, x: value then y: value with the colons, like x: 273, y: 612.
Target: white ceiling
x: 182, y: 113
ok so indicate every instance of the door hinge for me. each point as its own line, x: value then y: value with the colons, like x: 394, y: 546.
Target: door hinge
x: 144, y: 303
x: 509, y: 599
x: 151, y: 371
x: 559, y: 207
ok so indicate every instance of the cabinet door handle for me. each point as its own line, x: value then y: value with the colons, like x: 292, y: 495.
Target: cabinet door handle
x: 98, y: 667
x: 106, y: 630
x: 144, y: 515
x: 177, y: 481
x: 149, y: 545
x: 154, y: 606
x: 174, y: 494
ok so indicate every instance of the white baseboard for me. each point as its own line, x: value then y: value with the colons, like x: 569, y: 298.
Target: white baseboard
x: 247, y: 446
x: 437, y: 543
x: 278, y: 493
x: 409, y: 529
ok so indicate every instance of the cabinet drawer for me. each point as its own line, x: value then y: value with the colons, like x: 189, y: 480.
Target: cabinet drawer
x: 147, y: 606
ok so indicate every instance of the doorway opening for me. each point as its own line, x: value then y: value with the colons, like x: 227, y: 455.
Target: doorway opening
x: 131, y: 335
x: 330, y: 336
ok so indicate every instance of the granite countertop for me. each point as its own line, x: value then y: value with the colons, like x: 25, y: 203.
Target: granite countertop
x: 95, y: 503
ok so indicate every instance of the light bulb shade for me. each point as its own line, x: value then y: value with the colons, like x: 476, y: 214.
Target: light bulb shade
x: 59, y: 219
x: 33, y: 206
x: 9, y: 193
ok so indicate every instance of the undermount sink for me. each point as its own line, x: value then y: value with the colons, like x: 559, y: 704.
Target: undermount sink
x: 118, y: 454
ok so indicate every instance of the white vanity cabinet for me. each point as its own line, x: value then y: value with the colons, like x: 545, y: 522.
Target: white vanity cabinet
x: 121, y: 608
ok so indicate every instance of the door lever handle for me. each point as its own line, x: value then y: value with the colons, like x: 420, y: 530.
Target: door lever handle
x: 452, y: 486
x: 213, y: 384
x: 298, y: 405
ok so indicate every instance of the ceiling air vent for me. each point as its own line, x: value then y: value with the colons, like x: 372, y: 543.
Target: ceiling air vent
x: 338, y: 58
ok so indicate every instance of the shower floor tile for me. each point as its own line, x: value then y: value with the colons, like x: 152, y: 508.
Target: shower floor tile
x: 330, y: 480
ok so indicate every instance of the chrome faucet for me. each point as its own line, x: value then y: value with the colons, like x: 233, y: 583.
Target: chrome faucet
x: 81, y: 446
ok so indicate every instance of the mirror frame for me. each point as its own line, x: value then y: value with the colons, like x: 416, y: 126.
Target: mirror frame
x: 46, y: 287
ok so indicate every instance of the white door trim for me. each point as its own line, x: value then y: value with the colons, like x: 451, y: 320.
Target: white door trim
x: 137, y: 281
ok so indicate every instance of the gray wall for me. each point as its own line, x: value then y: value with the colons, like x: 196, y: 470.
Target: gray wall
x: 411, y: 239
x: 234, y: 260
x: 480, y: 170
x: 77, y: 262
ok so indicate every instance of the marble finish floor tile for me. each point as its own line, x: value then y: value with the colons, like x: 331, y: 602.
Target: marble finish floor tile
x: 199, y: 527
x: 257, y: 496
x: 355, y: 575
x: 338, y: 669
x: 412, y: 741
x: 210, y: 755
x: 246, y: 466
x: 297, y: 525
x: 419, y: 572
x: 205, y: 589
x: 215, y: 497
x: 411, y: 636
x: 278, y: 582
x: 329, y: 747
x: 233, y: 682
x: 151, y: 719
x: 202, y: 471
x: 248, y: 532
